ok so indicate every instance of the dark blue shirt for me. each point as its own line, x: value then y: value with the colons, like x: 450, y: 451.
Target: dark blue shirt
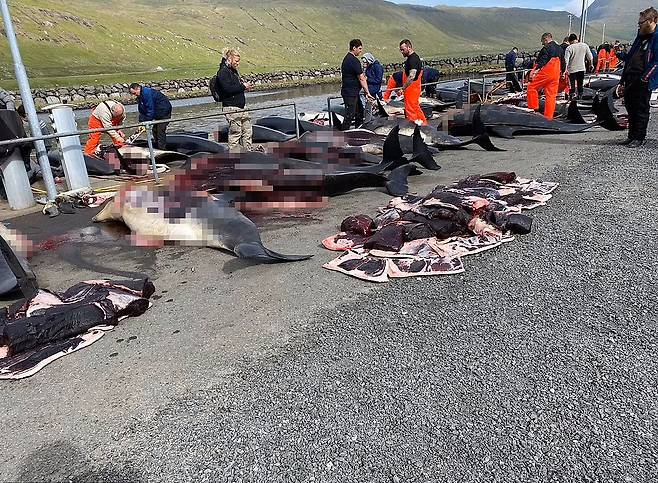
x: 375, y: 76
x: 510, y: 61
x: 153, y: 105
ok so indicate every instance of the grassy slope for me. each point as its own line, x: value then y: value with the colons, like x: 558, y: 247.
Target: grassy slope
x: 620, y: 18
x: 96, y: 41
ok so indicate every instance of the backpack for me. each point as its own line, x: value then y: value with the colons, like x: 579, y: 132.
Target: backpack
x: 215, y: 89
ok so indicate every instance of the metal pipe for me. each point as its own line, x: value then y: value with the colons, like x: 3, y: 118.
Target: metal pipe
x: 296, y: 120
x: 149, y: 141
x: 329, y: 110
x: 132, y: 126
x: 28, y: 102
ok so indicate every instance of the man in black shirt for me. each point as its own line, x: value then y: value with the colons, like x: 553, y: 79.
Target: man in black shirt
x: 411, y: 87
x: 353, y: 80
x: 233, y: 89
x: 640, y: 77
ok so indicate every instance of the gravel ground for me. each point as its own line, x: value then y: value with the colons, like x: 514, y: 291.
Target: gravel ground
x: 535, y: 365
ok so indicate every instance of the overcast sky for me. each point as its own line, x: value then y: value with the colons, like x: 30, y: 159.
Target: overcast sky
x: 573, y: 6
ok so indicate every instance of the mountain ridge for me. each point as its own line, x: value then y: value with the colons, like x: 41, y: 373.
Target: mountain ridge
x: 184, y: 38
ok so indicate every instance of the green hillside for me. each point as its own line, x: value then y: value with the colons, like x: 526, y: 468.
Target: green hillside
x: 94, y: 41
x: 620, y: 18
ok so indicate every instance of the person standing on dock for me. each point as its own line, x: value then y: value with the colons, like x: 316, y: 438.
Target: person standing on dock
x: 546, y: 76
x: 510, y: 66
x: 578, y: 55
x: 353, y: 80
x: 394, y: 82
x: 153, y: 105
x: 602, y: 59
x: 374, y: 73
x: 640, y: 77
x: 431, y: 78
x: 233, y: 89
x: 411, y: 83
x: 105, y: 115
x: 614, y: 60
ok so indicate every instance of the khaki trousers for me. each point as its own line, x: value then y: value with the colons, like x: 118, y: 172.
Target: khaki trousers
x: 239, y: 128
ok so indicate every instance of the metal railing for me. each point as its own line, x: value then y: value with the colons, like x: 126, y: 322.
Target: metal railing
x: 332, y: 98
x: 498, y: 74
x: 468, y: 93
x: 148, y: 125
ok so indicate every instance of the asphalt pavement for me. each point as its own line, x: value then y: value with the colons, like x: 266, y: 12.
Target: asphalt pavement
x: 538, y: 364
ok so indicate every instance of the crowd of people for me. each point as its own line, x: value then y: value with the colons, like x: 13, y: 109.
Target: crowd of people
x: 555, y: 64
x: 555, y: 69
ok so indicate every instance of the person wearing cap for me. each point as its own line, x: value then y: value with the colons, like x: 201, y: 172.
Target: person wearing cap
x: 374, y: 74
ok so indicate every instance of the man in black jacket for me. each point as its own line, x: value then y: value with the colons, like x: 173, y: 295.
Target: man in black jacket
x: 233, y: 89
x: 640, y: 77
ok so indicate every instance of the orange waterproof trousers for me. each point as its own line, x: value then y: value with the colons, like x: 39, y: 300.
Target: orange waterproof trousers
x: 412, y: 110
x: 95, y: 137
x: 548, y: 79
x: 603, y: 61
x: 389, y: 88
x: 612, y: 61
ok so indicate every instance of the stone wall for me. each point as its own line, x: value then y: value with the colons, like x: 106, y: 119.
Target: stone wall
x: 90, y: 95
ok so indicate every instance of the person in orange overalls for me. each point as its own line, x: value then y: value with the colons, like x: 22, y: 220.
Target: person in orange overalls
x: 106, y: 114
x: 394, y: 82
x: 614, y: 60
x: 545, y: 76
x: 411, y: 83
x: 603, y: 59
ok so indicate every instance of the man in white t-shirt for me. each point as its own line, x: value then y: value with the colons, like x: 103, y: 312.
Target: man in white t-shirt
x: 576, y: 56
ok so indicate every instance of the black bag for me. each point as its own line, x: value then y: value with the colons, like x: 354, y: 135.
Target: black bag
x: 215, y: 89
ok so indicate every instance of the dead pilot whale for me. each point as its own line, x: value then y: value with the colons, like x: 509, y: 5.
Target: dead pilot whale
x: 192, y: 218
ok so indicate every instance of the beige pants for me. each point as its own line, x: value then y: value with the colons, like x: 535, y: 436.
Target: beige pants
x: 239, y: 129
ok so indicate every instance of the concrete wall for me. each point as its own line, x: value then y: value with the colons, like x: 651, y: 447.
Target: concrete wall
x: 90, y: 95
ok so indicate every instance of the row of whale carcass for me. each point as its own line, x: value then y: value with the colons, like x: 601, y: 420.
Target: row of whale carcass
x: 200, y: 205
x: 298, y: 173
x: 325, y: 162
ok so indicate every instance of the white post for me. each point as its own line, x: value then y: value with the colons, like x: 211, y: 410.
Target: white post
x: 603, y: 34
x: 16, y: 183
x: 28, y: 102
x: 73, y: 161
